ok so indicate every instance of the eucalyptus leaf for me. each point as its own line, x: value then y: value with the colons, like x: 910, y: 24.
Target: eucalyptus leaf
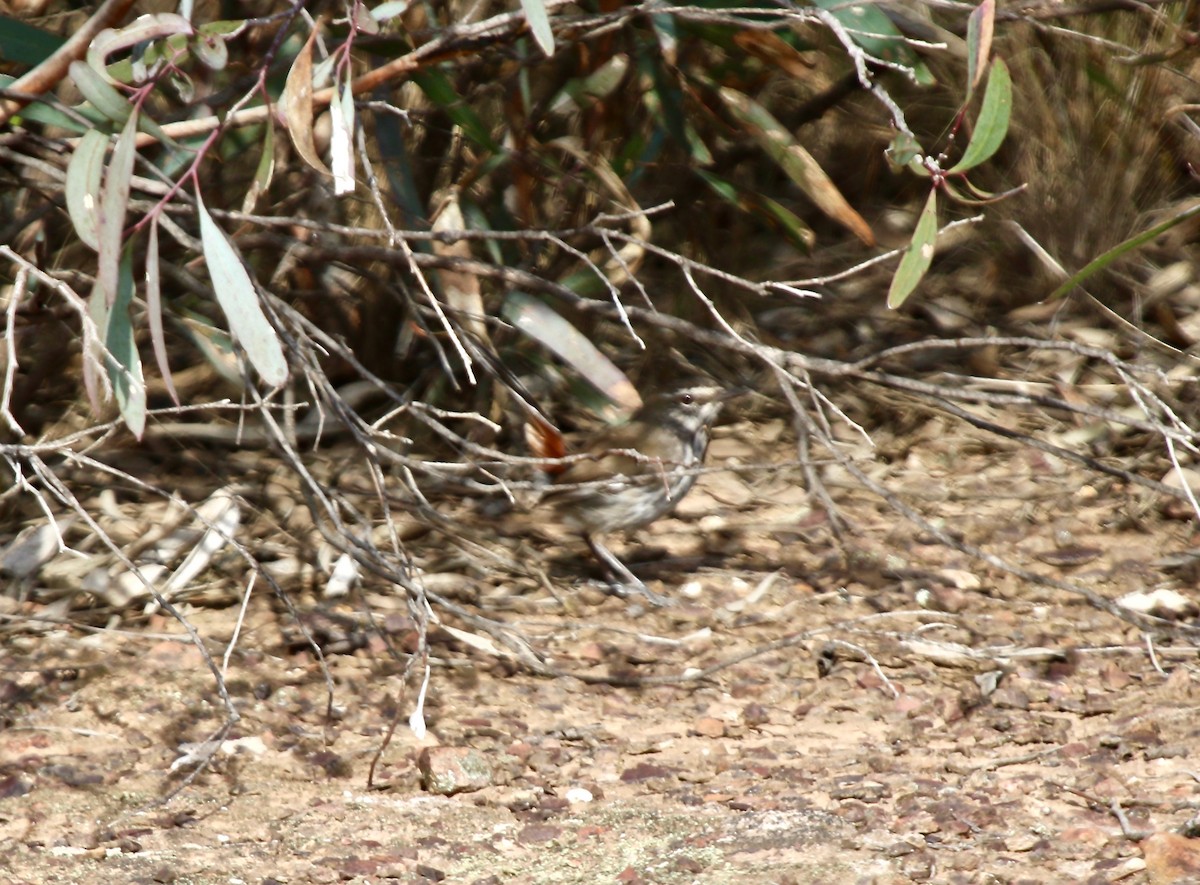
x: 870, y: 28
x: 918, y: 256
x: 238, y: 298
x: 1104, y: 260
x: 539, y: 24
x: 114, y: 202
x: 541, y: 323
x: 154, y: 310
x: 125, y: 364
x: 82, y: 192
x: 23, y: 44
x: 992, y: 125
x: 141, y: 30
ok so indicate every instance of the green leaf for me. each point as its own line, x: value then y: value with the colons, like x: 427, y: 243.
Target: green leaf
x: 111, y: 103
x: 391, y: 134
x: 264, y: 172
x: 83, y: 185
x: 437, y: 86
x: 871, y: 29
x: 665, y: 103
x: 154, y: 310
x: 239, y: 301
x: 917, y: 257
x: 143, y: 29
x: 764, y: 207
x: 114, y: 202
x: 539, y: 24
x: 1099, y: 263
x: 584, y: 91
x: 42, y: 112
x: 721, y: 188
x: 992, y: 125
x: 791, y: 224
x: 23, y: 44
x: 125, y: 365
x: 667, y: 35
x: 100, y: 93
x: 903, y: 150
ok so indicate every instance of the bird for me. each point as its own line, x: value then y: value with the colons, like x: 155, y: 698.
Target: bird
x: 636, y: 473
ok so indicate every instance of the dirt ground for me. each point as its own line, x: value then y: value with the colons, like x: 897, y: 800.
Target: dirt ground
x: 882, y: 710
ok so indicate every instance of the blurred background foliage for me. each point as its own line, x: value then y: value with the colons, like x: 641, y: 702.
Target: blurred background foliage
x: 639, y: 106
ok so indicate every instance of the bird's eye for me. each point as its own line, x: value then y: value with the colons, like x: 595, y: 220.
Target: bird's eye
x: 687, y: 399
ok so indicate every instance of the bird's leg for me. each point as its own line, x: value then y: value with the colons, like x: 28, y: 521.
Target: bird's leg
x: 622, y: 579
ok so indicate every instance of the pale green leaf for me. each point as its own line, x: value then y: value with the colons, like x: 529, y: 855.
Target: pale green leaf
x: 114, y: 201
x: 82, y: 192
x: 539, y: 24
x: 124, y: 363
x: 265, y: 171
x: 111, y: 103
x: 917, y: 257
x: 141, y: 30
x: 341, y: 141
x: 239, y: 301
x: 541, y: 323
x: 154, y: 310
x: 99, y: 92
x: 211, y: 51
x: 389, y: 10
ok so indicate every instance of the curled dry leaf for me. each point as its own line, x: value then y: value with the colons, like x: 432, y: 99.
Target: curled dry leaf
x: 298, y: 106
x: 343, y: 577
